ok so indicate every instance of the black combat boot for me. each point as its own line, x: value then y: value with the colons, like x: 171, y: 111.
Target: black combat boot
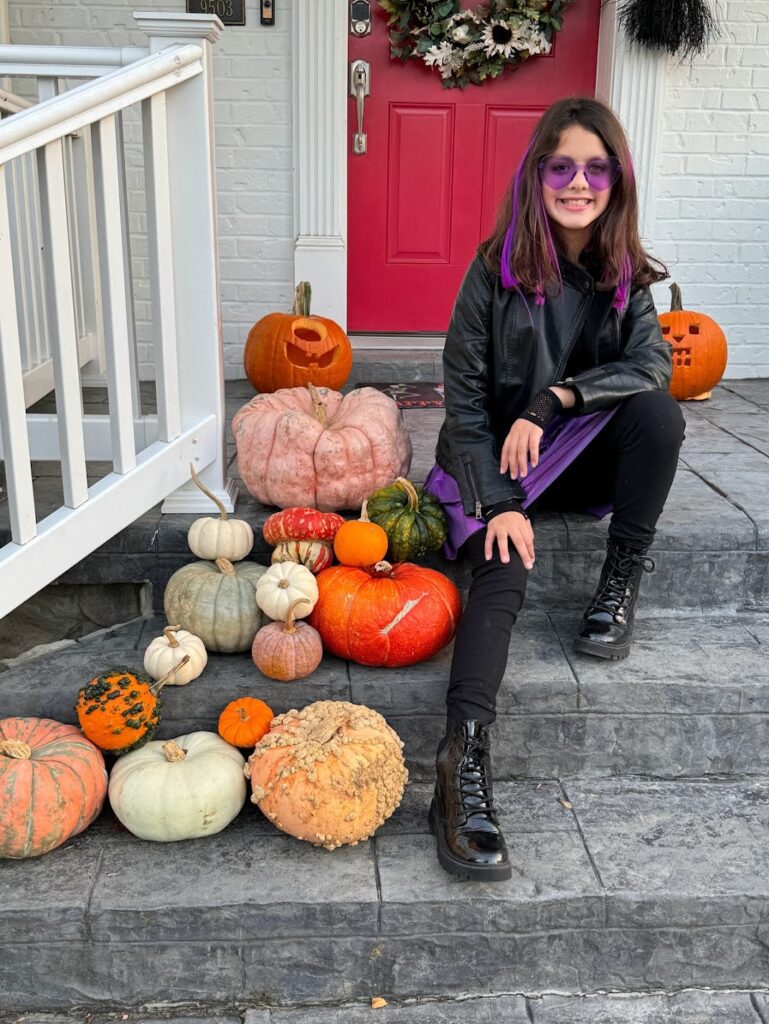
x: 462, y: 818
x: 607, y: 624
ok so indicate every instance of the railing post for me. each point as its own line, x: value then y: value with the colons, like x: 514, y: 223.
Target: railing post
x: 194, y: 247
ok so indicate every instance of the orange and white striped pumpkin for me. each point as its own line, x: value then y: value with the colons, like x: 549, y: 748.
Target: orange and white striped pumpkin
x: 52, y: 785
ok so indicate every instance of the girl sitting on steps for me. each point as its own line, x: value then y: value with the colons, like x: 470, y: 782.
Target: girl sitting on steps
x: 556, y: 377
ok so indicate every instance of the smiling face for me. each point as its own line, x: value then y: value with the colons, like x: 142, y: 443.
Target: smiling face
x: 574, y: 208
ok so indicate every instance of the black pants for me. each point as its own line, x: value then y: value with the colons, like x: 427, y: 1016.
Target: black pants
x: 631, y: 463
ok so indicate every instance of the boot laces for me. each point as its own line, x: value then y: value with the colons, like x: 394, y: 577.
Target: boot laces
x: 613, y: 592
x: 474, y: 786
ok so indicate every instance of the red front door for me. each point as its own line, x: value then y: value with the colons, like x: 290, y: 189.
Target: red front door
x: 438, y: 160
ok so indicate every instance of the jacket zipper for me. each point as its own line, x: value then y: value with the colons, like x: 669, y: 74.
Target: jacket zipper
x: 575, y: 336
x: 473, y: 489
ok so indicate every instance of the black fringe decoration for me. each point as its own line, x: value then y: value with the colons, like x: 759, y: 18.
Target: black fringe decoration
x: 682, y: 27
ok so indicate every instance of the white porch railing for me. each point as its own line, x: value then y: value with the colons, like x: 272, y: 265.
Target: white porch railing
x: 150, y: 455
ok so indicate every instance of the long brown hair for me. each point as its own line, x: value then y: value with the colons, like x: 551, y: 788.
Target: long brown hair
x: 522, y: 249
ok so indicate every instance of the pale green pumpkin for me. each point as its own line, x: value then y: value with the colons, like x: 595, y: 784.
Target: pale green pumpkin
x: 217, y: 602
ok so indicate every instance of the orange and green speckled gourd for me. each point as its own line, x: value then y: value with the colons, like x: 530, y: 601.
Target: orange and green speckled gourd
x: 119, y: 710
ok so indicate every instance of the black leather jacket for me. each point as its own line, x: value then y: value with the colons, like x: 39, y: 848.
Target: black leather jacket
x: 499, y: 354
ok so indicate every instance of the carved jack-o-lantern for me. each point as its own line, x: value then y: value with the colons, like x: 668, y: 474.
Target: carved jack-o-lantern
x: 286, y: 350
x: 699, y: 349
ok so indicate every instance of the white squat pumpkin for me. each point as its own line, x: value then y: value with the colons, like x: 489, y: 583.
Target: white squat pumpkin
x: 211, y: 538
x: 185, y: 788
x: 281, y: 586
x: 169, y: 650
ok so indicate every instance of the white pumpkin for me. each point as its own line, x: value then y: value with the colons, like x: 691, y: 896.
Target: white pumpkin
x: 168, y: 650
x: 178, y: 789
x: 210, y: 538
x: 282, y: 585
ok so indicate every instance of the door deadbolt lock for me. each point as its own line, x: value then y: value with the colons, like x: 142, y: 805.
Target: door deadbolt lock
x: 360, y: 18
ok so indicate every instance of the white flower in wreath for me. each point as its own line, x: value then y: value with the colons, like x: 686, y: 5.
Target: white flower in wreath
x: 499, y: 40
x: 441, y: 56
x: 460, y: 34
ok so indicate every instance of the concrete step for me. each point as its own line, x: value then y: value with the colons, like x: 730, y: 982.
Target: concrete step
x: 618, y: 886
x: 711, y: 551
x: 692, y: 699
x: 694, y: 1006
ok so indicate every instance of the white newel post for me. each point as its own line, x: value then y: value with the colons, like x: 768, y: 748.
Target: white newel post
x: 194, y: 246
x: 631, y: 80
x: 320, y: 166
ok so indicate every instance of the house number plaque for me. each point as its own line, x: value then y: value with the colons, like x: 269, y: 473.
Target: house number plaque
x: 229, y: 12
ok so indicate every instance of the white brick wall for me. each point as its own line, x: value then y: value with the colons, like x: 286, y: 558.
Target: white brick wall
x: 252, y: 84
x: 712, y: 209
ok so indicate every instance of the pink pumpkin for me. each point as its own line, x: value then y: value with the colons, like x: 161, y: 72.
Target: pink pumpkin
x: 308, y: 446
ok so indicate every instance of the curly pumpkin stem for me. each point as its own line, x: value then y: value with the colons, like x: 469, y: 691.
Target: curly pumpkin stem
x: 173, y: 751
x: 410, y: 490
x: 676, y: 302
x: 319, y: 409
x: 199, y: 483
x: 160, y: 683
x: 290, y: 625
x: 170, y: 634
x: 16, y: 748
x: 302, y: 297
x: 225, y: 567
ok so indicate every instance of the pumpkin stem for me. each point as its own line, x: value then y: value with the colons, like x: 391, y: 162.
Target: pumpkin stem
x: 302, y: 298
x: 225, y: 566
x: 364, y: 512
x: 168, y: 633
x: 173, y: 751
x: 16, y: 748
x: 676, y: 303
x: 199, y: 483
x: 382, y: 568
x: 242, y: 714
x: 410, y: 490
x: 290, y: 627
x: 156, y: 687
x: 319, y: 407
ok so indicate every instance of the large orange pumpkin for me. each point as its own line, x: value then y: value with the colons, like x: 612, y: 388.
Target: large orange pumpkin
x: 52, y: 785
x: 286, y: 350
x: 390, y: 615
x: 699, y: 349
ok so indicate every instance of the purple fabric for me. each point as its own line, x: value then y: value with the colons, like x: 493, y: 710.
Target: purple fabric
x: 562, y: 442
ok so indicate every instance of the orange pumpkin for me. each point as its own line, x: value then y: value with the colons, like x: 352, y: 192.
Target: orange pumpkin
x: 390, y: 615
x: 286, y: 350
x: 699, y: 349
x: 360, y: 542
x: 244, y: 721
x: 52, y: 785
x: 119, y: 710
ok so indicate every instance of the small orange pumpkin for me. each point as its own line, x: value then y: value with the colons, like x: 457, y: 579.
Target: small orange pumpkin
x: 699, y: 349
x: 120, y: 709
x: 286, y: 350
x: 244, y: 721
x: 360, y: 542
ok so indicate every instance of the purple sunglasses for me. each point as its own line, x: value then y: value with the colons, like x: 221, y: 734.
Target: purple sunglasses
x: 559, y: 171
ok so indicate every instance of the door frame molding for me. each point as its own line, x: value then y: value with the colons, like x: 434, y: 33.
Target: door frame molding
x: 630, y: 79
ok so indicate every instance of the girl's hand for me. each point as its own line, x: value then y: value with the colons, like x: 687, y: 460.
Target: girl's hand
x: 521, y: 445
x: 515, y: 527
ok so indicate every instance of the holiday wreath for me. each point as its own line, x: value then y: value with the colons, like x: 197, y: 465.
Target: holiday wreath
x: 470, y: 46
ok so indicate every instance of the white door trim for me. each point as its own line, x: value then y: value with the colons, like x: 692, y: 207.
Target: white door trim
x: 631, y: 80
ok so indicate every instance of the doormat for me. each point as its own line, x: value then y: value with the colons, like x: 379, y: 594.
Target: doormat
x: 419, y: 395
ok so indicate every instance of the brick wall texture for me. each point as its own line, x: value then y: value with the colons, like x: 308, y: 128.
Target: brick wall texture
x: 712, y: 188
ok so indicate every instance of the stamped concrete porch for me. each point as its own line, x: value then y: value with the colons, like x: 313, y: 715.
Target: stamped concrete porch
x: 635, y: 798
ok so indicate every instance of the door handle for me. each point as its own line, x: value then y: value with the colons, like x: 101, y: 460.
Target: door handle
x: 360, y: 88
